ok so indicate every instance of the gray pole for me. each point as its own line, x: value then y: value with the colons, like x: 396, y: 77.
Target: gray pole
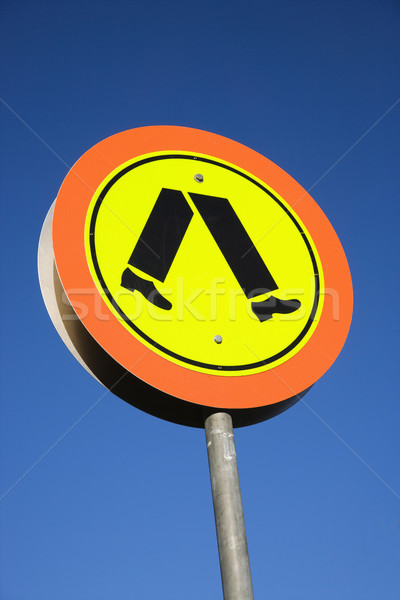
x: 228, y: 510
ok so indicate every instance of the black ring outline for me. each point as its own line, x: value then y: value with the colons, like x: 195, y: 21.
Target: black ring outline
x: 217, y: 368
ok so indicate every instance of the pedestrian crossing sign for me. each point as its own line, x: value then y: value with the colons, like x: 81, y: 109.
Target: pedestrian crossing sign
x: 211, y: 271
x: 180, y: 260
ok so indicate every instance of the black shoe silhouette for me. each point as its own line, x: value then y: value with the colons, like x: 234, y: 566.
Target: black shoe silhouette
x: 265, y: 309
x: 133, y: 282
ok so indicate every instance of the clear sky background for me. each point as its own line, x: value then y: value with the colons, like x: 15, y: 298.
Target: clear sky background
x: 105, y: 502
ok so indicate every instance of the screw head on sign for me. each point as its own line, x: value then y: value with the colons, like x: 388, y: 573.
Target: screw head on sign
x: 199, y: 178
x: 218, y: 339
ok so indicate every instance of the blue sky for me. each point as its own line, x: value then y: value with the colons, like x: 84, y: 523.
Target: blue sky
x: 102, y: 501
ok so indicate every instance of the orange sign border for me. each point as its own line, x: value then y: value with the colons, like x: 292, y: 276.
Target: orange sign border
x: 244, y: 392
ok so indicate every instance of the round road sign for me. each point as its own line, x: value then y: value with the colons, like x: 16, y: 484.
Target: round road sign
x: 203, y: 269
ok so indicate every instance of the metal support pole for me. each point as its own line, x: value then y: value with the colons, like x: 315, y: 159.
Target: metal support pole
x: 228, y: 510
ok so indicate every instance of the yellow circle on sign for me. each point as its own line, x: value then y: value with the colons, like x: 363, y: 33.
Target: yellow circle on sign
x: 203, y: 263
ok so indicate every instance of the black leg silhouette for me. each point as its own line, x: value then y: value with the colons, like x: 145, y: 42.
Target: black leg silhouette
x: 158, y: 244
x: 242, y: 256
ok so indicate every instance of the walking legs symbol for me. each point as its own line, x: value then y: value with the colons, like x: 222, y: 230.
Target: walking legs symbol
x: 164, y: 231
